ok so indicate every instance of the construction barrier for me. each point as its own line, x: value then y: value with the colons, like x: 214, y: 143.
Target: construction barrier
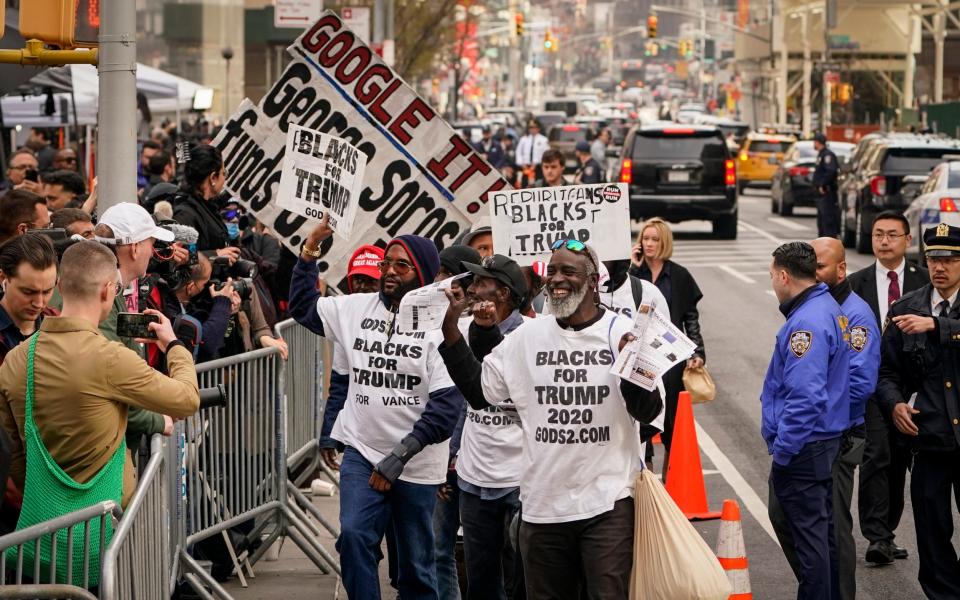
x: 138, y: 562
x: 26, y: 573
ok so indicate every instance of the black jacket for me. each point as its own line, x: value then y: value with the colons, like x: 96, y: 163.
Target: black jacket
x: 926, y: 365
x: 864, y: 283
x: 202, y: 215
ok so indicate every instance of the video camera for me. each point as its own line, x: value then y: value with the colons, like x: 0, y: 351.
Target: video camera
x: 242, y: 272
x: 173, y: 275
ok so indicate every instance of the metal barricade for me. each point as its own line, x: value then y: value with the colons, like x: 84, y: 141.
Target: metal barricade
x: 303, y: 388
x: 72, y: 577
x: 137, y: 563
x: 236, y: 470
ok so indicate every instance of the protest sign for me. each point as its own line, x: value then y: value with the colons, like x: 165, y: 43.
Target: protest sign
x: 321, y: 174
x: 421, y: 176
x: 526, y: 223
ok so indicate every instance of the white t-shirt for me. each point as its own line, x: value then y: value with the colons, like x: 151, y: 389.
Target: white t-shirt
x: 390, y: 382
x: 581, y: 449
x: 491, y: 449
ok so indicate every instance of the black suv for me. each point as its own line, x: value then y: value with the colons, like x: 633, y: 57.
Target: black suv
x: 874, y: 178
x: 681, y: 173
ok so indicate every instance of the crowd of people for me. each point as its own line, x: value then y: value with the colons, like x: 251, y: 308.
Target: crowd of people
x: 75, y: 386
x: 447, y: 430
x: 863, y: 375
x: 529, y: 161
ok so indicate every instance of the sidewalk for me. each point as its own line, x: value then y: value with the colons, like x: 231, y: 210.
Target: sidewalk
x: 293, y: 576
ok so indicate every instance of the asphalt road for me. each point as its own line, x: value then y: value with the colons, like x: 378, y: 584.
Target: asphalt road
x: 740, y: 319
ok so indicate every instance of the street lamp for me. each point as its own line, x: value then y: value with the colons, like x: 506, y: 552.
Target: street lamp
x: 227, y: 54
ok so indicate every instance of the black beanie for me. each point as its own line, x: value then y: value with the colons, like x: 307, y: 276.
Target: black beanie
x: 423, y: 253
x: 452, y: 256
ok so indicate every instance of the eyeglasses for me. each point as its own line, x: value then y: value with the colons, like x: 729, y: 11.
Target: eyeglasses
x: 400, y: 267
x: 69, y: 160
x: 888, y: 236
x: 118, y: 284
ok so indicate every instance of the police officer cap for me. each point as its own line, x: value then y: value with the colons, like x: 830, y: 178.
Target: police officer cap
x: 583, y: 146
x: 942, y: 240
x: 820, y: 138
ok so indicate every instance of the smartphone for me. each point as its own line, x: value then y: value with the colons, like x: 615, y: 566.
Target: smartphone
x: 136, y: 325
x: 32, y: 175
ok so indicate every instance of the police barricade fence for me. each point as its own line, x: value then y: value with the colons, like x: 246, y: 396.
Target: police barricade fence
x: 35, y: 565
x: 303, y: 377
x: 137, y: 563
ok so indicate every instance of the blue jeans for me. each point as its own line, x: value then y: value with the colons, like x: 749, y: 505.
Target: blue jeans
x: 493, y: 569
x: 364, y: 516
x: 446, y: 521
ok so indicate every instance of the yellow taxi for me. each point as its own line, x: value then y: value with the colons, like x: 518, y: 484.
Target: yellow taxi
x: 759, y: 156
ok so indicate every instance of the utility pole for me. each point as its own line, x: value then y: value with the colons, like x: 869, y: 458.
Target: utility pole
x: 117, y: 110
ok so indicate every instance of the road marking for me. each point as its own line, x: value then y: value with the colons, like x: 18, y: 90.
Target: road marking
x: 733, y: 272
x: 772, y: 293
x: 751, y: 501
x: 788, y: 224
x: 760, y: 232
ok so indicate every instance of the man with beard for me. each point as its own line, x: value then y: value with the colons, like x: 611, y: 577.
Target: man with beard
x: 864, y: 343
x: 554, y: 371
x: 401, y: 409
x: 918, y: 376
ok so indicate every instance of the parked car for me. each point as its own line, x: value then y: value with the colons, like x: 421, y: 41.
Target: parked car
x: 875, y: 183
x: 681, y: 173
x: 565, y: 137
x: 792, y: 183
x: 759, y: 156
x: 938, y: 202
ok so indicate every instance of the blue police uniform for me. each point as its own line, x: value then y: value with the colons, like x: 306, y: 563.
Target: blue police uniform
x: 825, y: 185
x: 805, y: 411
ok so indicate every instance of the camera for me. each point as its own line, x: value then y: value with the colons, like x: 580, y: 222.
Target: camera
x: 243, y: 286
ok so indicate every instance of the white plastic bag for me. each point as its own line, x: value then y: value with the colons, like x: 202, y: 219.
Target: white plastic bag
x: 670, y: 559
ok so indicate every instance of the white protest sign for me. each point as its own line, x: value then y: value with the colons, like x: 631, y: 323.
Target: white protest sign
x: 526, y: 223
x: 421, y: 176
x: 321, y: 173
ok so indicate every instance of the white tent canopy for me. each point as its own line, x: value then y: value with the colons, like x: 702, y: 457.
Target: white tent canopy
x: 166, y: 93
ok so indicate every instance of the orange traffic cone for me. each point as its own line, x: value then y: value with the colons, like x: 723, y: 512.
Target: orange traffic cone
x: 684, y: 473
x: 732, y: 553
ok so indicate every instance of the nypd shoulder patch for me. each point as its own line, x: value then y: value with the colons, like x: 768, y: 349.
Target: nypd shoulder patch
x: 800, y: 342
x: 858, y: 337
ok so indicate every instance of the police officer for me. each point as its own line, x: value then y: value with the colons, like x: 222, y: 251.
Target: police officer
x: 825, y: 184
x: 863, y: 335
x: 920, y: 362
x: 590, y: 170
x: 805, y: 411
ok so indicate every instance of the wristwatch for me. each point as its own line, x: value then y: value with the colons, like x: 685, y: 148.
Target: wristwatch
x: 308, y: 251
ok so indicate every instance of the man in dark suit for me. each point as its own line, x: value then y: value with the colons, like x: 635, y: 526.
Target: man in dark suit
x: 885, y: 459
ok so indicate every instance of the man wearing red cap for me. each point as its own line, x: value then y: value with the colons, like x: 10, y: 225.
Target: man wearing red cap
x: 401, y: 409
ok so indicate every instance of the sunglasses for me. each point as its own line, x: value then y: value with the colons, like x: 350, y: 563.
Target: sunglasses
x: 400, y: 267
x: 230, y: 214
x: 571, y: 245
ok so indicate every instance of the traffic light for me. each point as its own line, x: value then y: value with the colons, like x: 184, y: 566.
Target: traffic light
x: 651, y: 49
x: 518, y: 22
x: 682, y: 48
x: 652, y: 26
x: 547, y: 42
x: 66, y: 24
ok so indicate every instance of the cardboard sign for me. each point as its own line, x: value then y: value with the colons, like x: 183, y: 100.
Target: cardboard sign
x: 321, y: 174
x: 526, y: 223
x: 421, y: 176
